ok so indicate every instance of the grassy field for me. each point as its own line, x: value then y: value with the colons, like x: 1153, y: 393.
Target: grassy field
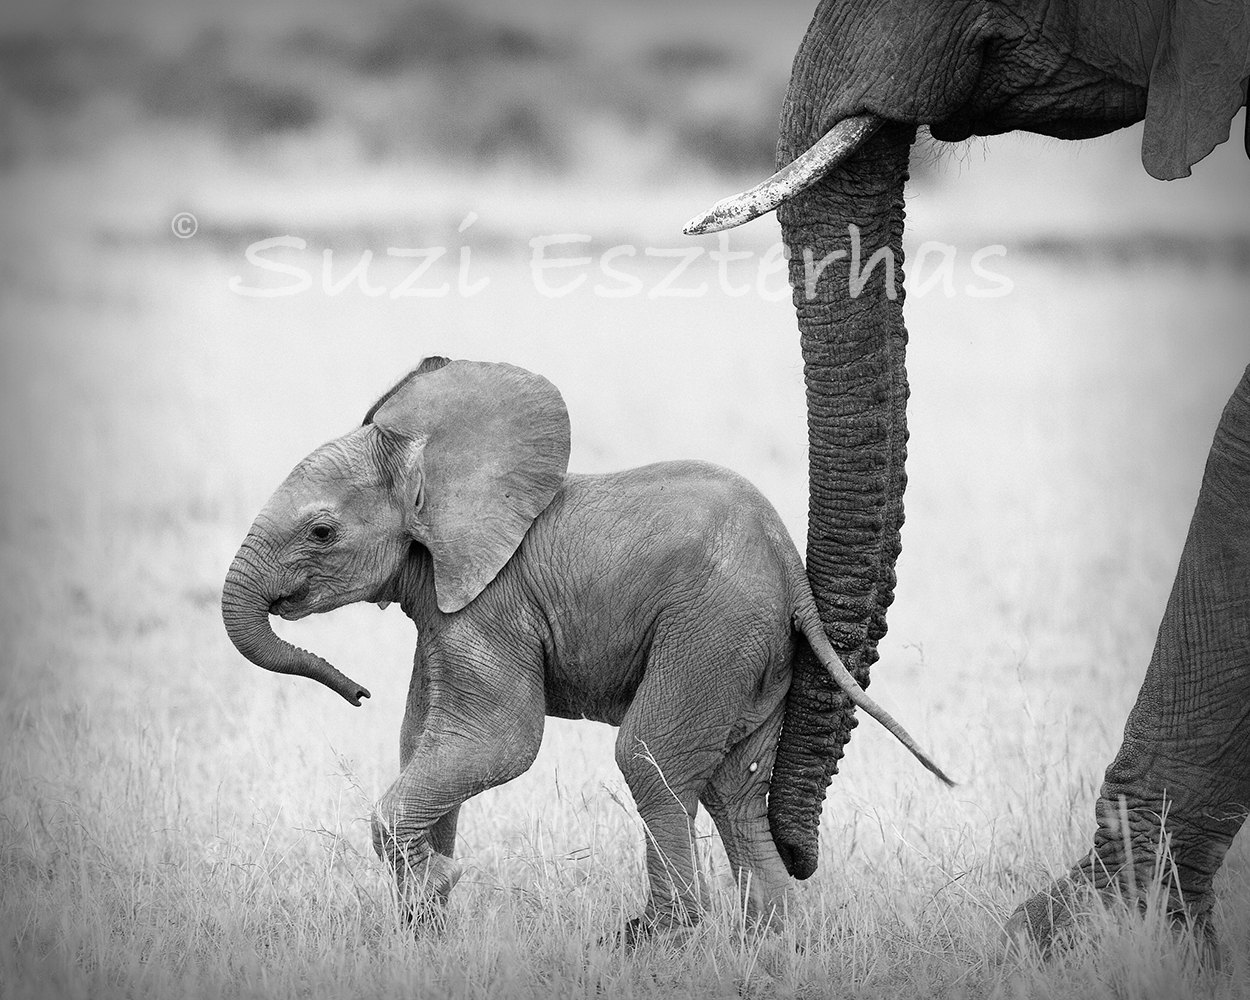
x: 175, y: 822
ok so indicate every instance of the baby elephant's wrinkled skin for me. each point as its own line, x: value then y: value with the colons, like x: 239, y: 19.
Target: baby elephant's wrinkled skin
x: 667, y: 600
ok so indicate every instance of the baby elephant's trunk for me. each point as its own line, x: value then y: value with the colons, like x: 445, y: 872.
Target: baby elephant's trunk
x: 246, y: 597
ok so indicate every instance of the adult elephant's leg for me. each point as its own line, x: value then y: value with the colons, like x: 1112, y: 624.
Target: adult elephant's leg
x: 1182, y: 776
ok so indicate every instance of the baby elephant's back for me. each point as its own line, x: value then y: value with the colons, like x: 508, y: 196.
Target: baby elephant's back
x: 685, y: 532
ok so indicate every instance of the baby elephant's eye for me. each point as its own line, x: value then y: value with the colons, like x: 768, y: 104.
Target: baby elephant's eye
x: 321, y: 533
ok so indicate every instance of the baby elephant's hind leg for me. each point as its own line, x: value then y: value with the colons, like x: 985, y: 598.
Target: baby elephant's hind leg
x: 736, y: 799
x: 709, y: 704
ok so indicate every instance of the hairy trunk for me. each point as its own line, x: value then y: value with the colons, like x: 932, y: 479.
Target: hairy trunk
x: 253, y: 583
x: 854, y: 345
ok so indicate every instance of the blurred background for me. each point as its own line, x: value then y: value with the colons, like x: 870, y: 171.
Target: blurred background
x: 149, y: 407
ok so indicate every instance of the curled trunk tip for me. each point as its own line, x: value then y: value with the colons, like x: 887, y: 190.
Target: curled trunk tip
x: 245, y: 606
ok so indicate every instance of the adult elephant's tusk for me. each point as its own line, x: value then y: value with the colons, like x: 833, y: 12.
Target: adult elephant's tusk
x: 830, y: 150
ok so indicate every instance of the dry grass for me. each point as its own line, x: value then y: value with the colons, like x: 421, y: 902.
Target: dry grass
x: 152, y: 850
x: 178, y: 823
x: 174, y: 822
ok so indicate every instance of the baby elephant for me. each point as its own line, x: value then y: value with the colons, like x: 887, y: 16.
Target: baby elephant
x: 666, y: 600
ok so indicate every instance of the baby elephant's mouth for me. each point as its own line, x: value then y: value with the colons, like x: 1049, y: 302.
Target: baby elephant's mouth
x: 289, y: 607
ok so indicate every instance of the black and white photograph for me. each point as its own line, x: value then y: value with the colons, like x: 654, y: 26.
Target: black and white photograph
x: 673, y: 498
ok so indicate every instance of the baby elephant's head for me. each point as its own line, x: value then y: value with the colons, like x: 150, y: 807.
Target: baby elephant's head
x: 459, y: 456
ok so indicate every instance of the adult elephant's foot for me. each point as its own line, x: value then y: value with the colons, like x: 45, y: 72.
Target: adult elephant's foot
x: 1047, y: 919
x: 1051, y: 920
x: 1140, y: 862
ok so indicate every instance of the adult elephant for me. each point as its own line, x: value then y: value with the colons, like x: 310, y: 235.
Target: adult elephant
x: 867, y: 74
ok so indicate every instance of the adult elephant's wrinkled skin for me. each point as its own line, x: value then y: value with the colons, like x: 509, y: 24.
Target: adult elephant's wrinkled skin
x: 866, y: 75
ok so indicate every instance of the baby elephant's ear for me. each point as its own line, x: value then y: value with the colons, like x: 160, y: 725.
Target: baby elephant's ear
x: 487, y: 447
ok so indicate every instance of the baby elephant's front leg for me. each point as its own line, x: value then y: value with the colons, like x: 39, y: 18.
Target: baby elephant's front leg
x: 424, y: 876
x: 452, y: 761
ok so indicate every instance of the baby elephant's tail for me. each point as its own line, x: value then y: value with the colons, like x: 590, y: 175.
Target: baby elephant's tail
x: 808, y: 623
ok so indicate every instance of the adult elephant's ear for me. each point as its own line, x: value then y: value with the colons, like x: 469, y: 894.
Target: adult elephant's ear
x: 1197, y: 83
x: 481, y: 450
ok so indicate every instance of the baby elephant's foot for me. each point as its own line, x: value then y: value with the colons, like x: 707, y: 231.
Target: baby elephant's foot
x: 423, y: 890
x: 666, y: 930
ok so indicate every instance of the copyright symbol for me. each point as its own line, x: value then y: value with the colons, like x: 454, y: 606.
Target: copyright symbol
x: 184, y: 225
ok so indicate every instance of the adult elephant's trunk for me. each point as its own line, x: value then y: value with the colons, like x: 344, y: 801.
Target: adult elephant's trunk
x: 845, y: 240
x: 253, y: 584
